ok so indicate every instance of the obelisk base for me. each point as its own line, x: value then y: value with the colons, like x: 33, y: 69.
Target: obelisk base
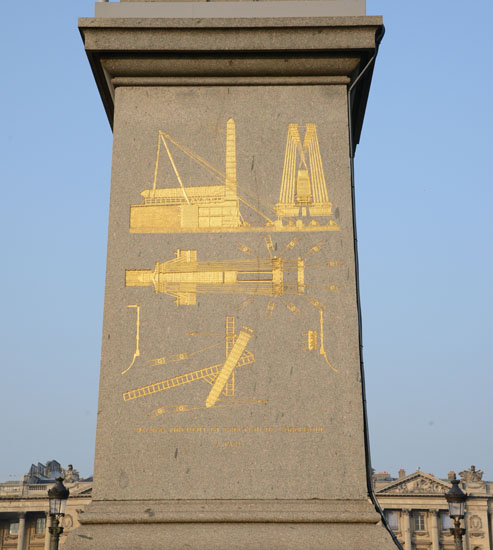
x: 279, y: 102
x: 223, y: 525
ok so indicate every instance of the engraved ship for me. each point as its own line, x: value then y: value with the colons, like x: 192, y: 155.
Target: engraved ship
x: 184, y: 277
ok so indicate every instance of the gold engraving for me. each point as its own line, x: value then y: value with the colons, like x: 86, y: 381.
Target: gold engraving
x: 293, y: 309
x: 311, y: 336
x: 209, y: 374
x: 216, y: 208
x: 202, y: 334
x: 230, y: 340
x: 220, y: 376
x: 335, y: 288
x: 184, y: 277
x: 244, y: 248
x: 246, y: 303
x: 179, y: 356
x: 309, y: 342
x: 215, y: 430
x: 270, y: 309
x: 220, y: 403
x: 316, y: 248
x: 291, y: 244
x: 229, y: 365
x: 303, y: 187
x: 269, y: 244
x: 137, y: 336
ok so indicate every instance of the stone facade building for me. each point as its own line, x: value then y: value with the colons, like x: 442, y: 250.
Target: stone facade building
x: 414, y: 505
x: 24, y: 506
x: 417, y: 512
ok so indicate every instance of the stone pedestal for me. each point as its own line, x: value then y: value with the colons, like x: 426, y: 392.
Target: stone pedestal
x: 231, y: 404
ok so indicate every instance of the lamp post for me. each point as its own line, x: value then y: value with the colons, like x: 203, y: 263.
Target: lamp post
x: 58, y: 496
x: 456, y: 500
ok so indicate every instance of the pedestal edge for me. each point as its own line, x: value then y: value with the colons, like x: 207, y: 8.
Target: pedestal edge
x: 230, y: 511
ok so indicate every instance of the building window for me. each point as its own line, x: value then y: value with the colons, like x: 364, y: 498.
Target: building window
x: 419, y: 521
x: 14, y: 528
x: 392, y: 519
x: 446, y: 521
x: 40, y: 526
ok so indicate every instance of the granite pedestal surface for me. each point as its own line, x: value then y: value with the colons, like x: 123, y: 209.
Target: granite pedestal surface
x: 231, y: 405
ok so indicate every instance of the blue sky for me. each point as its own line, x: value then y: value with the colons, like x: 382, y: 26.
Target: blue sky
x: 424, y: 197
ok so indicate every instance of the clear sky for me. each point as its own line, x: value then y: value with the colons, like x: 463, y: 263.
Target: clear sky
x: 424, y: 195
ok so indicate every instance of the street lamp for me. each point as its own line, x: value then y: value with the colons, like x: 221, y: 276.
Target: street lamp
x: 58, y: 496
x: 456, y: 500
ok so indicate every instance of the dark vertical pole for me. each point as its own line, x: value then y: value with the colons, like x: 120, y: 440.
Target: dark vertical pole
x: 55, y: 531
x: 458, y: 532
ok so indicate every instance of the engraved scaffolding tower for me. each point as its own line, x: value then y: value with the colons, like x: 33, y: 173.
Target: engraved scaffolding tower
x: 303, y: 186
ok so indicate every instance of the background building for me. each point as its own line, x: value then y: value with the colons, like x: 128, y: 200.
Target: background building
x: 417, y: 512
x: 414, y: 505
x: 24, y: 506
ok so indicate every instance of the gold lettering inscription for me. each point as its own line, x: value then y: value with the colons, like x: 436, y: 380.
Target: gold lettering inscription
x: 230, y: 429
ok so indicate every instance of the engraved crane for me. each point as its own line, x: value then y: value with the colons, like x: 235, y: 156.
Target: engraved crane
x: 212, y: 203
